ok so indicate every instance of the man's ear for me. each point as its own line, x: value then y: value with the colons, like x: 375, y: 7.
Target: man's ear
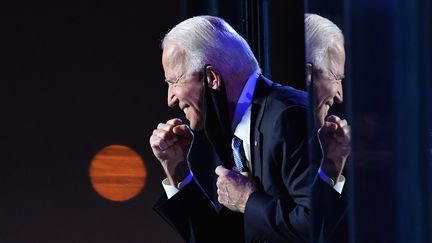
x: 214, y: 79
x: 309, y: 73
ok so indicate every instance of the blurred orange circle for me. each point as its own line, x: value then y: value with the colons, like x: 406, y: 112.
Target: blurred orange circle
x: 117, y: 173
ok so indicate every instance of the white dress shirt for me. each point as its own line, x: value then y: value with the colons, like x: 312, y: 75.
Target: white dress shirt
x: 242, y: 116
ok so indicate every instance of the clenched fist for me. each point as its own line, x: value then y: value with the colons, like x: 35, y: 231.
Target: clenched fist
x: 170, y: 143
x: 233, y: 188
x: 335, y: 139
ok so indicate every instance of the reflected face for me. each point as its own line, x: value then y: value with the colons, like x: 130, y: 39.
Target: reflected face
x: 328, y: 85
x: 185, y: 89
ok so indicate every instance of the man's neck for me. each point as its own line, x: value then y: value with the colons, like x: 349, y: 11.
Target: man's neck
x: 234, y: 88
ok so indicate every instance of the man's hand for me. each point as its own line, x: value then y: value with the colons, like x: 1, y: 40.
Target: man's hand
x: 234, y: 188
x: 335, y: 139
x: 170, y: 143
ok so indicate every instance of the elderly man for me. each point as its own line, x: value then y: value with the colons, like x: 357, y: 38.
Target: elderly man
x: 241, y: 173
x: 325, y: 57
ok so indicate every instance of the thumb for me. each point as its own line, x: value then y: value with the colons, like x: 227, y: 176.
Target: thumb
x: 183, y: 131
x: 245, y: 173
x: 221, y: 170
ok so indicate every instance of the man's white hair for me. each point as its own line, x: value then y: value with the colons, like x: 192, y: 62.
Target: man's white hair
x: 321, y: 36
x: 210, y: 40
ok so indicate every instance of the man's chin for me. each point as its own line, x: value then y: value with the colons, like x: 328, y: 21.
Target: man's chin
x: 319, y: 121
x: 196, y: 126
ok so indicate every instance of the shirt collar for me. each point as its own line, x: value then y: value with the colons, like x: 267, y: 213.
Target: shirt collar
x: 242, y: 112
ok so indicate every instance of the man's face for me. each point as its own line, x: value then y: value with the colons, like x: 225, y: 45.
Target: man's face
x: 328, y: 86
x: 185, y: 90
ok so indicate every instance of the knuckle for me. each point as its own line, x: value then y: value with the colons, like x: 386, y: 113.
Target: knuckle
x: 218, y: 183
x: 165, y: 136
x: 157, y: 141
x: 154, y: 132
x: 346, y: 132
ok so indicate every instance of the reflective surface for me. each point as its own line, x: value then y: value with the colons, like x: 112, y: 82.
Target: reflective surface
x: 387, y: 95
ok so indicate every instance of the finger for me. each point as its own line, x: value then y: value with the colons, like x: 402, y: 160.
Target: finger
x: 164, y: 134
x: 342, y: 123
x: 221, y: 189
x: 153, y: 142
x: 332, y: 118
x: 221, y: 170
x: 245, y: 174
x: 220, y: 199
x: 219, y: 183
x: 169, y: 124
x: 165, y: 126
x: 344, y: 131
x: 344, y: 137
x: 171, y: 142
x: 328, y: 127
x: 219, y: 192
x: 169, y: 137
x: 183, y: 131
x: 158, y: 143
x: 175, y: 121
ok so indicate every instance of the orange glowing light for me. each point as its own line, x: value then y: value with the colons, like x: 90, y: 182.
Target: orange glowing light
x: 117, y: 173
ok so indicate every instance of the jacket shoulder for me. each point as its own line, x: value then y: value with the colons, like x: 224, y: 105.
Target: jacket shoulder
x: 284, y: 95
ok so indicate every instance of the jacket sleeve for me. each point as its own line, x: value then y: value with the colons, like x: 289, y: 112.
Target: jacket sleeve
x: 189, y: 212
x: 328, y: 211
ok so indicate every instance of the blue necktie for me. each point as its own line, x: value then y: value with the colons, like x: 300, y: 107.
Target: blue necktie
x: 238, y: 153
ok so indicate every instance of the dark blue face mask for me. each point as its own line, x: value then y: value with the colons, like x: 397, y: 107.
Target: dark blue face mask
x: 217, y: 126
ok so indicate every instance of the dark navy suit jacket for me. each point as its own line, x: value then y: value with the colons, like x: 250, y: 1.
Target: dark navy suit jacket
x: 280, y: 210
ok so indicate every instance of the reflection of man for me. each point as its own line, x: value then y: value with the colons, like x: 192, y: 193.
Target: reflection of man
x: 234, y: 112
x: 325, y: 57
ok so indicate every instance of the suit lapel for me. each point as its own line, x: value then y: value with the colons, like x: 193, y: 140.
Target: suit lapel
x: 257, y: 112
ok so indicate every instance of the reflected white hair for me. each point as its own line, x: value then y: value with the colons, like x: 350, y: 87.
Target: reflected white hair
x: 320, y: 42
x: 210, y: 40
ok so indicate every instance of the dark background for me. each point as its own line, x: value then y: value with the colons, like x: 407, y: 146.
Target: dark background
x: 78, y: 76
x: 75, y: 77
x: 387, y: 101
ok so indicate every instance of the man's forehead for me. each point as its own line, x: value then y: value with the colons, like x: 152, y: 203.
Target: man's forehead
x: 173, y: 51
x: 173, y: 58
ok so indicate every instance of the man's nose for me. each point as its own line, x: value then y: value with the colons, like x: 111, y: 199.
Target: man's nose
x: 339, y: 94
x: 172, y: 99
